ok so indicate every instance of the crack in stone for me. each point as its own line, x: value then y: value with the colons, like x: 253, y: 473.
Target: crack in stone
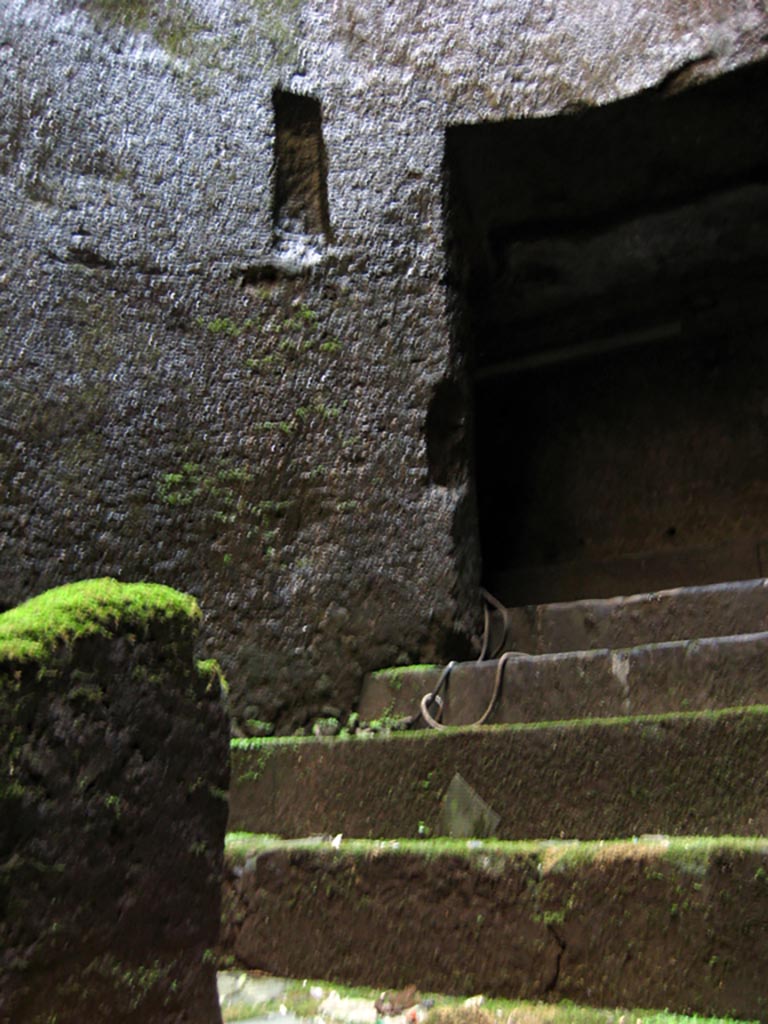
x: 552, y: 983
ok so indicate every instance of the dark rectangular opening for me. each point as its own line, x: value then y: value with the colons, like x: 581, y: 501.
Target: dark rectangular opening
x: 300, y: 190
x: 610, y: 271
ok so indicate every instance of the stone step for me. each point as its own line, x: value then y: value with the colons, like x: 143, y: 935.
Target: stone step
x: 667, y: 923
x: 696, y: 772
x: 723, y: 609
x: 682, y: 675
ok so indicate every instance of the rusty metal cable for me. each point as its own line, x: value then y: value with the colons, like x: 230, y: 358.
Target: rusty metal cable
x: 430, y: 698
x: 491, y: 601
x: 434, y: 698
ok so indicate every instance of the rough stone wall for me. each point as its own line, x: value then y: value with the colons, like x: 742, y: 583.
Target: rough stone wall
x: 113, y: 805
x: 187, y: 394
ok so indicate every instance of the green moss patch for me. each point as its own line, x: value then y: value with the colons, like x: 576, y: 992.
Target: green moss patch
x: 664, y: 719
x: 398, y: 671
x: 35, y: 629
x: 210, y: 671
x: 681, y: 852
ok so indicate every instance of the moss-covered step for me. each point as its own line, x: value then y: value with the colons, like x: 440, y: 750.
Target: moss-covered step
x: 675, y: 923
x: 683, y: 675
x: 721, y: 609
x: 702, y: 772
x: 114, y: 752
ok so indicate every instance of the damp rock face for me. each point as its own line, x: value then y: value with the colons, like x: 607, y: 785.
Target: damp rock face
x: 112, y: 808
x: 264, y: 270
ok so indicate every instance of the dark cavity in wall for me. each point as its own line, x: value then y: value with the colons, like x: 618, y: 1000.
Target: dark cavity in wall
x: 610, y: 268
x: 301, y: 195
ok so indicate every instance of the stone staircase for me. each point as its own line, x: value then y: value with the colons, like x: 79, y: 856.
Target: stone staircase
x: 602, y: 841
x: 695, y: 648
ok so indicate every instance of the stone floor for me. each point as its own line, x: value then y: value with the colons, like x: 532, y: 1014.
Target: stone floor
x: 251, y: 998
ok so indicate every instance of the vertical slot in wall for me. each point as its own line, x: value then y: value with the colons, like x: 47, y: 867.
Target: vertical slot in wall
x: 300, y: 205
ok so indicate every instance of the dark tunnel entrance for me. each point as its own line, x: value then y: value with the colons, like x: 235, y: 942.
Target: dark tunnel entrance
x: 611, y: 276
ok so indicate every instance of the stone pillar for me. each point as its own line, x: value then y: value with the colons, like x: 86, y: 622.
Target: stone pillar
x: 113, y: 806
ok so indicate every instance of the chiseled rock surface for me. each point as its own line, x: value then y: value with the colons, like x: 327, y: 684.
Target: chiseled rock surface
x: 112, y: 808
x: 653, y: 922
x: 652, y: 679
x: 684, y: 773
x: 187, y: 408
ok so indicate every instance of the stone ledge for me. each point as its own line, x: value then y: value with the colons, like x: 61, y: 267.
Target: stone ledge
x: 704, y: 772
x: 683, y: 675
x: 722, y: 609
x: 673, y: 923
